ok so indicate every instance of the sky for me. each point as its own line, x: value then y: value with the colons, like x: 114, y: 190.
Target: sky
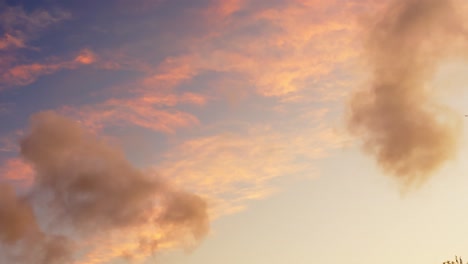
x: 233, y: 131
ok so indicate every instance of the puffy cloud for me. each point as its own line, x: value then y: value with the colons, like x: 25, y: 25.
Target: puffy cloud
x: 86, y: 189
x: 410, y: 134
x: 20, y: 235
x: 17, y: 218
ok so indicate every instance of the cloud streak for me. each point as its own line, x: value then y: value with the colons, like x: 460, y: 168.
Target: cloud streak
x: 231, y: 169
x: 24, y: 74
x: 401, y: 124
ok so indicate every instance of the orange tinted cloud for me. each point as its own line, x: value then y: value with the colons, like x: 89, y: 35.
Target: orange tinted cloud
x: 150, y: 102
x: 26, y: 74
x: 18, y: 172
x: 401, y: 123
x: 221, y: 10
x: 293, y: 49
x: 19, y: 25
x: 295, y: 52
x: 85, y: 185
x: 10, y: 41
x: 21, y: 237
x: 170, y: 73
x: 86, y: 56
x: 149, y: 111
x: 231, y: 169
x: 21, y: 75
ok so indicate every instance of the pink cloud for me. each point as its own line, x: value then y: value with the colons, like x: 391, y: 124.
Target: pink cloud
x: 171, y: 73
x: 10, y: 41
x: 143, y: 111
x: 20, y: 26
x: 294, y: 48
x: 231, y: 169
x: 17, y: 172
x: 24, y: 74
x: 86, y: 56
x: 150, y: 102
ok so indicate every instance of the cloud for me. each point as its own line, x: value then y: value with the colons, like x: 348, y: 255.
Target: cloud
x: 150, y: 102
x: 19, y: 26
x: 77, y: 169
x: 401, y: 124
x: 87, y: 189
x: 7, y: 145
x: 280, y: 60
x: 294, y: 57
x: 20, y: 236
x: 17, y: 172
x: 86, y: 56
x: 152, y: 110
x: 17, y: 216
x: 9, y: 41
x: 230, y: 169
x: 24, y: 74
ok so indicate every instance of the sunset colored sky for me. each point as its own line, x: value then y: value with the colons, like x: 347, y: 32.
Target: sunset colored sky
x: 233, y: 131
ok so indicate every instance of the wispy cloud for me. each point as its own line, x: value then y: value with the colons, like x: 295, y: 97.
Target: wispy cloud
x: 149, y: 103
x: 9, y: 142
x: 136, y: 112
x: 9, y: 41
x: 291, y: 59
x: 292, y: 47
x: 20, y: 26
x: 24, y: 74
x: 231, y: 169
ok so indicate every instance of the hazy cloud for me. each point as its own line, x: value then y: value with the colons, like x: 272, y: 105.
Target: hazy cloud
x: 21, y: 238
x: 16, y: 216
x: 410, y: 134
x: 85, y: 185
